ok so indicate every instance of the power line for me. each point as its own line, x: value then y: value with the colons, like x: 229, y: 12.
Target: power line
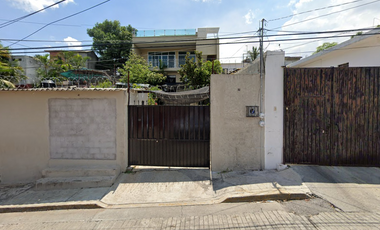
x: 309, y: 11
x: 58, y: 24
x: 290, y: 33
x: 28, y: 15
x: 60, y: 20
x: 213, y: 44
x: 309, y: 19
x: 235, y: 42
x: 310, y: 51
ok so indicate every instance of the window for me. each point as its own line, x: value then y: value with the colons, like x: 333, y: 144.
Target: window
x: 171, y: 79
x: 166, y: 58
x: 182, y: 59
x: 211, y: 57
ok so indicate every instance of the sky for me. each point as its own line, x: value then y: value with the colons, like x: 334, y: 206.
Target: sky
x: 235, y: 18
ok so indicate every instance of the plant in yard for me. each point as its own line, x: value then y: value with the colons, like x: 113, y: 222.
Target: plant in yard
x: 152, y: 98
x: 197, y: 72
x: 104, y: 84
x: 10, y: 71
x: 254, y: 53
x: 139, y: 72
x: 324, y: 46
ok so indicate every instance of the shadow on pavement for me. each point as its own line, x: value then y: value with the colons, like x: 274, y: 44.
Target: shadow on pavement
x: 338, y: 174
x: 267, y: 179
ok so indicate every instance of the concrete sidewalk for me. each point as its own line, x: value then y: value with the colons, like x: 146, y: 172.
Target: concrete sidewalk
x: 162, y: 187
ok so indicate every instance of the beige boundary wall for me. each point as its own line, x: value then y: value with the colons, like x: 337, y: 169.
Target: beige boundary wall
x: 25, y: 138
x: 237, y: 141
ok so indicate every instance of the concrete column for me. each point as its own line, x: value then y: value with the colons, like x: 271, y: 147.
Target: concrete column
x: 274, y: 108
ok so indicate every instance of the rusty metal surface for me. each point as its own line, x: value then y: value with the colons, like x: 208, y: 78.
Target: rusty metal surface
x: 169, y: 136
x: 332, y: 116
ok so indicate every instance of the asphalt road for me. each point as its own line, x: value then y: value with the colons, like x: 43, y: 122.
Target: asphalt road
x: 350, y: 189
x: 269, y: 215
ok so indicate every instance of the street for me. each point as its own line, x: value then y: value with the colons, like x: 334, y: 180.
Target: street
x: 315, y: 214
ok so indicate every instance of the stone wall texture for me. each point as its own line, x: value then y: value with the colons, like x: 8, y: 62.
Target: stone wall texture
x: 82, y: 128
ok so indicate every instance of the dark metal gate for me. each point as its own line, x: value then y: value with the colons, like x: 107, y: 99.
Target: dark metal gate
x: 332, y: 116
x: 169, y: 136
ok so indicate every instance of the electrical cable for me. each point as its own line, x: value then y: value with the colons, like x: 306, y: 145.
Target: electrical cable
x: 60, y: 20
x: 210, y: 44
x: 184, y: 45
x: 309, y: 11
x: 309, y: 19
x: 10, y: 22
x: 291, y: 33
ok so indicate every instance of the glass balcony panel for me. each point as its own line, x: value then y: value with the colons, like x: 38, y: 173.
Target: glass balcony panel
x: 171, y: 32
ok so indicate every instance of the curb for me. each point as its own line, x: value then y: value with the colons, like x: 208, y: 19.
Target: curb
x: 101, y: 205
x: 50, y: 207
x: 255, y: 198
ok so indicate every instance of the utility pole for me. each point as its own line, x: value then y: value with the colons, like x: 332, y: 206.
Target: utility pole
x: 261, y: 62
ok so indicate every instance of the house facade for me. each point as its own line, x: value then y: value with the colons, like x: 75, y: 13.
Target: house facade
x: 30, y: 66
x: 169, y: 47
x: 359, y: 51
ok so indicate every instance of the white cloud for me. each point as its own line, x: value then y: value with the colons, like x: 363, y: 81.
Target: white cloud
x: 249, y: 17
x: 34, y: 5
x: 359, y: 17
x: 292, y: 2
x: 73, y: 42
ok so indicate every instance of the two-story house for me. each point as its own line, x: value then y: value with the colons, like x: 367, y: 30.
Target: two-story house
x: 169, y: 47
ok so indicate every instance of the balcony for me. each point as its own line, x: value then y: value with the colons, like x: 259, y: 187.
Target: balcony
x: 159, y: 33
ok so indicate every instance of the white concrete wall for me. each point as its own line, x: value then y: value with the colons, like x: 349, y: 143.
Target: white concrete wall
x: 364, y: 53
x: 25, y: 133
x: 236, y: 140
x: 274, y: 108
x: 30, y: 67
x: 137, y: 98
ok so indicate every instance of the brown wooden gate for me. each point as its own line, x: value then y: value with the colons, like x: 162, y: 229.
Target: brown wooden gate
x: 169, y: 136
x: 332, y: 116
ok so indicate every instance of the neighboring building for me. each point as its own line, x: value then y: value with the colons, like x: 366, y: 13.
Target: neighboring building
x: 90, y: 63
x: 360, y: 51
x: 289, y: 60
x: 30, y: 67
x: 169, y: 47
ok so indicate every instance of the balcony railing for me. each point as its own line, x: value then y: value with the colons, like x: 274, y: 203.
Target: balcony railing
x: 156, y: 33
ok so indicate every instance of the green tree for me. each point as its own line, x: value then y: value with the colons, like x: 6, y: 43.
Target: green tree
x: 254, y: 53
x: 44, y: 62
x: 10, y: 71
x: 197, y: 72
x: 325, y: 46
x: 139, y: 71
x: 112, y: 42
x: 71, y: 60
x: 51, y: 68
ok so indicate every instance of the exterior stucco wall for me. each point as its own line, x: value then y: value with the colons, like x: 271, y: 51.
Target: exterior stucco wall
x: 274, y: 108
x: 24, y: 133
x: 237, y: 141
x: 363, y: 53
x: 30, y: 67
x: 209, y: 47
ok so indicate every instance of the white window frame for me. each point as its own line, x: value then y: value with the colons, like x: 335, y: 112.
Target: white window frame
x: 150, y: 60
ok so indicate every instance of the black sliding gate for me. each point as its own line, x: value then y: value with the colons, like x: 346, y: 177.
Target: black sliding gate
x: 177, y: 136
